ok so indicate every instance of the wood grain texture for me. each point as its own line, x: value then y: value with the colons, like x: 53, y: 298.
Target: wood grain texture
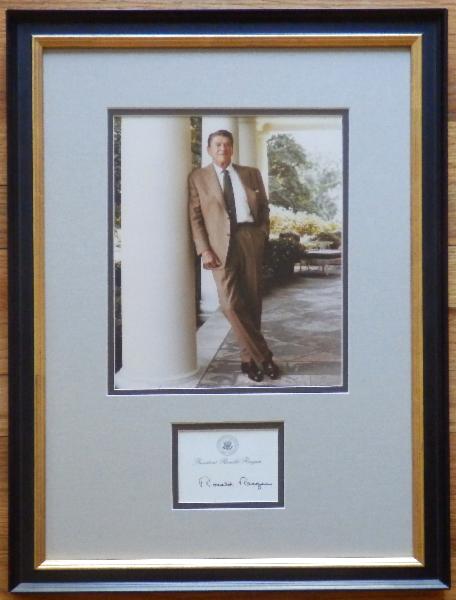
x: 3, y: 313
x: 218, y: 4
x: 452, y: 276
x: 3, y: 240
x: 3, y: 162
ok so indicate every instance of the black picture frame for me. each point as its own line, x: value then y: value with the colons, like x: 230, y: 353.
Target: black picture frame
x: 21, y: 27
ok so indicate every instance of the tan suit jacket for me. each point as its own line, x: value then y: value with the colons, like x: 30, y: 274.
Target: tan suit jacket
x: 208, y: 216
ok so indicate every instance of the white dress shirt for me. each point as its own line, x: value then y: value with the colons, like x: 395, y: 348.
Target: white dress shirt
x: 243, y: 214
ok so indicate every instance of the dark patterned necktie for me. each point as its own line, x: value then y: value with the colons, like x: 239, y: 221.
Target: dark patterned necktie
x: 228, y: 195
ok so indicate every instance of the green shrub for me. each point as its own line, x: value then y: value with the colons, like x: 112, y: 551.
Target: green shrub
x: 281, y: 256
x: 300, y: 223
x: 290, y: 237
x: 328, y: 236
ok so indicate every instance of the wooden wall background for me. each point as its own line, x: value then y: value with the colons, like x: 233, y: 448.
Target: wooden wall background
x: 218, y: 4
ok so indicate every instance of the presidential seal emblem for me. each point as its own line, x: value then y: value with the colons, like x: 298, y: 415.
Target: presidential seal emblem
x: 227, y: 445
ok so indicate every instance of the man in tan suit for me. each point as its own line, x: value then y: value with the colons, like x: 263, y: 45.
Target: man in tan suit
x: 229, y: 217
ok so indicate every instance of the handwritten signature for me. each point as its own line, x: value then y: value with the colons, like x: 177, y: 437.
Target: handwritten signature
x: 243, y: 481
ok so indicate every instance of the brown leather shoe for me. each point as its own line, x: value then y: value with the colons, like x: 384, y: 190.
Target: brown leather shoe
x: 252, y: 371
x: 271, y: 369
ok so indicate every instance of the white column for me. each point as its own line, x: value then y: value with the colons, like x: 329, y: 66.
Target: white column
x: 209, y: 298
x: 262, y: 157
x: 247, y: 141
x: 264, y: 131
x: 158, y: 296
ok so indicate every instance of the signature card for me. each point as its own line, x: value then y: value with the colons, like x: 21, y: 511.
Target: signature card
x: 228, y: 465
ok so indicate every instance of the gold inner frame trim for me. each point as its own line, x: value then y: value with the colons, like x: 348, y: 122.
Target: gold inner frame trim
x: 227, y: 41
x: 416, y: 299
x: 345, y: 41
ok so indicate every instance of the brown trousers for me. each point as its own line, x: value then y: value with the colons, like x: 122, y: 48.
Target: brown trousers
x: 239, y: 287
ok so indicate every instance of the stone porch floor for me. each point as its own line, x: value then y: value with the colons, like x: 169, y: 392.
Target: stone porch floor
x: 302, y: 321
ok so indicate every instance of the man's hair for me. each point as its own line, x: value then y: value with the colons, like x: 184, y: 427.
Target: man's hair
x: 223, y: 133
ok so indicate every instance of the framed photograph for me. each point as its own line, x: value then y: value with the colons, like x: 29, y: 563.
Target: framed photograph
x: 228, y: 289
x: 303, y: 158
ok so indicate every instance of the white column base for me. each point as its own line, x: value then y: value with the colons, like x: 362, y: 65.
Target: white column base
x: 124, y: 381
x: 210, y: 337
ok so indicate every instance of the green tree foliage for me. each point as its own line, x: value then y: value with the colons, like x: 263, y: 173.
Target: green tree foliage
x: 195, y: 131
x: 298, y: 183
x: 117, y: 133
x: 321, y: 180
x: 286, y: 159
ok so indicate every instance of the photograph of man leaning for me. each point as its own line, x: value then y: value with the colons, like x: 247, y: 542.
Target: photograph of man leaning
x: 229, y: 218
